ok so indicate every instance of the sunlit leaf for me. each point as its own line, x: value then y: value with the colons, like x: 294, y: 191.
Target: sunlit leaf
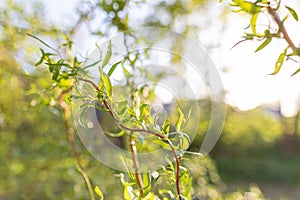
x: 293, y: 13
x: 246, y: 6
x: 106, y: 83
x: 98, y: 192
x: 180, y: 120
x: 279, y: 63
x: 296, y: 72
x: 264, y: 44
x: 118, y: 134
x: 253, y: 22
x: 112, y: 69
x: 126, y: 72
x: 40, y: 40
x: 127, y: 194
x: 166, y: 127
x: 107, y: 55
x: 147, y: 183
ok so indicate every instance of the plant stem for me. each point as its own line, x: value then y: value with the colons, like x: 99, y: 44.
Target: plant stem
x: 282, y: 29
x: 161, y: 136
x: 67, y: 116
x: 137, y: 173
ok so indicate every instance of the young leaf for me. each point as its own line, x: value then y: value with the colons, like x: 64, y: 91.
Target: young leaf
x: 180, y: 120
x: 293, y: 13
x: 279, y: 63
x: 98, y: 192
x: 297, y: 71
x: 147, y: 183
x: 107, y: 55
x: 106, y: 83
x: 253, y: 22
x: 264, y: 44
x: 166, y: 127
x: 112, y: 69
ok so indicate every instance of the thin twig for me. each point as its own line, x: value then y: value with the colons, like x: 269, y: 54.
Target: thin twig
x: 282, y: 29
x: 137, y: 173
x: 67, y: 115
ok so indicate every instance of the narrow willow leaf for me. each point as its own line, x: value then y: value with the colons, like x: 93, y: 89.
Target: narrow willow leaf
x: 180, y: 120
x: 41, y: 41
x: 107, y: 55
x: 126, y: 72
x: 163, y: 144
x: 112, y: 69
x: 279, y: 63
x: 98, y: 192
x: 186, y: 121
x: 253, y: 22
x: 106, y: 83
x: 127, y: 194
x: 115, y: 135
x: 264, y: 44
x: 147, y: 183
x: 184, y: 141
x: 293, y: 13
x: 297, y: 71
x: 166, y: 127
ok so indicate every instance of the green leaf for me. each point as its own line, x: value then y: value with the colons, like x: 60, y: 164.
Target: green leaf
x: 41, y: 41
x: 118, y: 134
x: 107, y: 55
x: 126, y: 72
x: 106, y: 83
x: 186, y: 121
x: 122, y: 107
x: 163, y: 144
x: 147, y: 183
x: 293, y: 13
x: 246, y: 6
x: 166, y: 127
x: 98, y: 192
x: 279, y: 63
x: 144, y: 111
x: 180, y: 120
x: 112, y: 69
x: 297, y: 71
x: 264, y: 44
x: 253, y: 22
x: 127, y: 194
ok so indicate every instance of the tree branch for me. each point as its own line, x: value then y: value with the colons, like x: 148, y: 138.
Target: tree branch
x: 137, y: 173
x: 67, y: 116
x: 282, y: 29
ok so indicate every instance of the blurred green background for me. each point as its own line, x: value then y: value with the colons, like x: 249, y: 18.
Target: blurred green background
x: 257, y: 147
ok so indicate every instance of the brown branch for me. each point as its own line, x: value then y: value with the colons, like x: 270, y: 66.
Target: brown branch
x: 282, y: 29
x: 90, y: 82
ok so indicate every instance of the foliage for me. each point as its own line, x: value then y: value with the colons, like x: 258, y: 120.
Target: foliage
x: 271, y: 31
x: 38, y: 162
